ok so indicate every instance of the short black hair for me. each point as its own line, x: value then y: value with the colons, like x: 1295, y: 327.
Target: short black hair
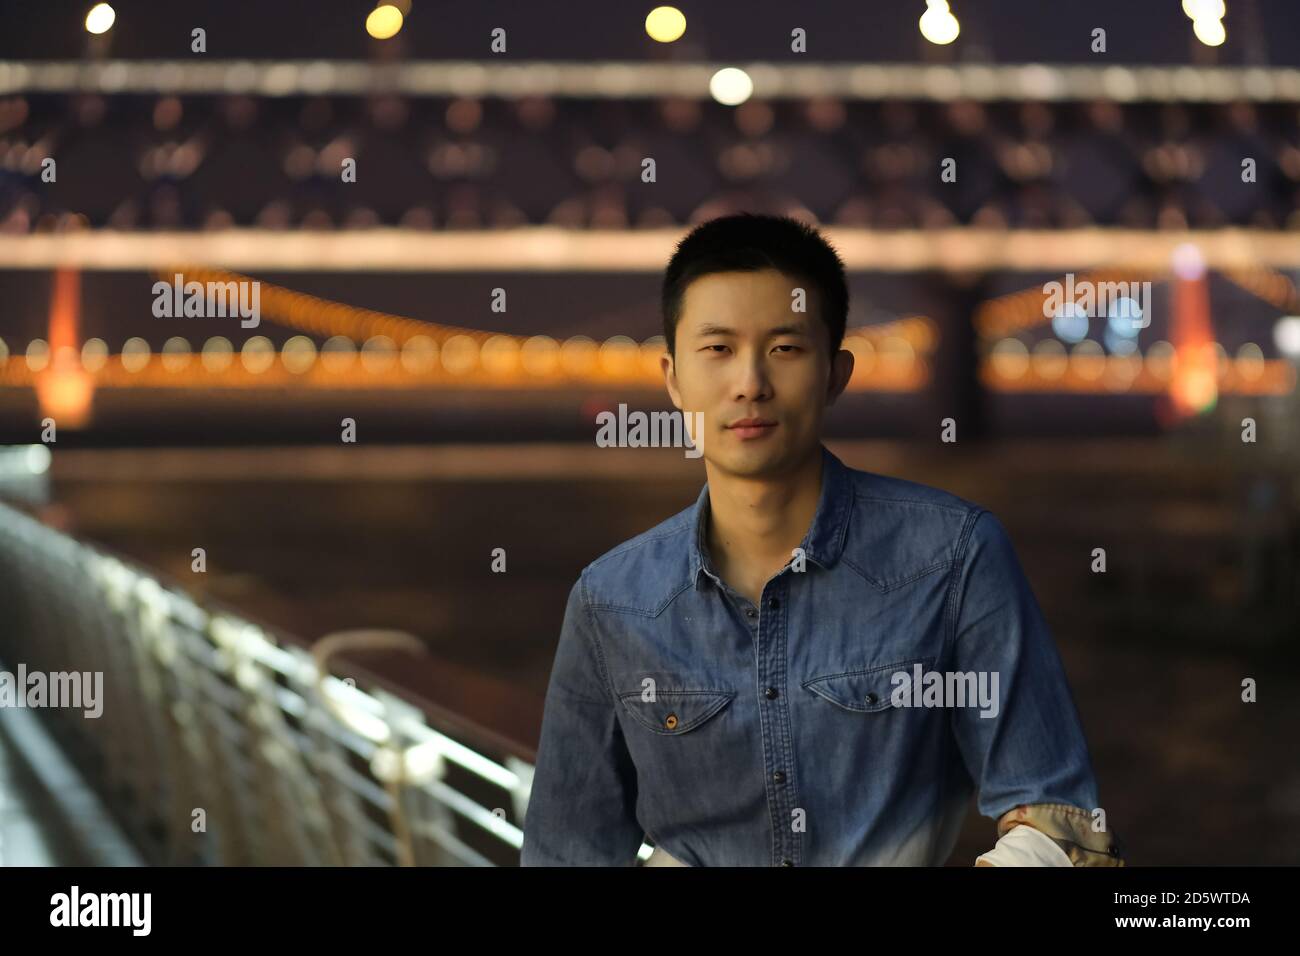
x: 748, y: 242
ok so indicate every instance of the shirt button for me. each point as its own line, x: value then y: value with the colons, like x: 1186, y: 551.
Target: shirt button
x: 787, y: 863
x: 770, y: 693
x: 779, y: 777
x: 750, y: 612
x: 870, y: 699
x: 670, y: 721
x: 773, y: 604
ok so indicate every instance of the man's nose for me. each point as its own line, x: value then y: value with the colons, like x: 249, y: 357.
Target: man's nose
x: 754, y: 381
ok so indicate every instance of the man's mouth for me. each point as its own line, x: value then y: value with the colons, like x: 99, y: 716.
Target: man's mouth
x: 747, y: 428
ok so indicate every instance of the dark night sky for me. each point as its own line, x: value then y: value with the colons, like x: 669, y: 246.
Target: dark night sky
x: 1265, y: 32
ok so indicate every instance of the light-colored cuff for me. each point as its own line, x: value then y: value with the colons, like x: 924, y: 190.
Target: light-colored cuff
x: 1069, y: 827
x: 661, y: 857
x: 1025, y: 846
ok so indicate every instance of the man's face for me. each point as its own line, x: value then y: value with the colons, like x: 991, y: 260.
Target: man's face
x: 742, y: 353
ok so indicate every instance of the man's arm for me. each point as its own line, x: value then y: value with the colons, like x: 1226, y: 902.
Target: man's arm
x: 582, y: 809
x: 1027, y: 753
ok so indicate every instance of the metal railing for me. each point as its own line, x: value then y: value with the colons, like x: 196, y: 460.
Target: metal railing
x: 223, y: 742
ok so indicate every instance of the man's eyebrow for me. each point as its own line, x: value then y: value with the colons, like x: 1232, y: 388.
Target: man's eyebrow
x: 711, y: 329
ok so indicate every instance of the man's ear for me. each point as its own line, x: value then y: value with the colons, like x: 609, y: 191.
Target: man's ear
x: 669, y: 367
x: 841, y: 372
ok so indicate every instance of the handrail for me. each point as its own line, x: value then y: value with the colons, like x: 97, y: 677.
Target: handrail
x: 222, y: 742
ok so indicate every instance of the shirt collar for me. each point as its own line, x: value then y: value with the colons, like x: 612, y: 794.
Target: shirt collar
x: 824, y: 541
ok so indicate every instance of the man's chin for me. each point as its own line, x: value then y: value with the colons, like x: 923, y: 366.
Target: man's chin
x: 752, y: 462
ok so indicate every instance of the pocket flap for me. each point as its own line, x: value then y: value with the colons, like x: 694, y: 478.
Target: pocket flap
x: 677, y: 711
x: 865, y: 691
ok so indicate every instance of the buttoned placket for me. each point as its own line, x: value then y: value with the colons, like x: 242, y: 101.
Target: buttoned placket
x: 768, y: 629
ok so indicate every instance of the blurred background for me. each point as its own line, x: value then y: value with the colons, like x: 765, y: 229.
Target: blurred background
x: 458, y: 219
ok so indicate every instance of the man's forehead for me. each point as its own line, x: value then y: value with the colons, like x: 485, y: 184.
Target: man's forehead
x: 721, y: 285
x: 765, y: 294
x: 767, y: 290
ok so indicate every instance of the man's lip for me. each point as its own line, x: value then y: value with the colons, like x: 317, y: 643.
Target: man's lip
x: 752, y: 423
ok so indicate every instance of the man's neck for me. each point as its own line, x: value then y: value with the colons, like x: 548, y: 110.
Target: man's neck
x: 755, y: 524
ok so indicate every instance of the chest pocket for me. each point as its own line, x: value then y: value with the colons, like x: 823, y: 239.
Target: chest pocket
x: 675, y: 712
x: 865, y: 691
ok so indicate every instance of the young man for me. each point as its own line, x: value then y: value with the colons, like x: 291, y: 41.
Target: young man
x: 811, y: 665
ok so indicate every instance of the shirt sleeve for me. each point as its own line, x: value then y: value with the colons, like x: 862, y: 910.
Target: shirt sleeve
x: 582, y: 807
x: 1029, y: 746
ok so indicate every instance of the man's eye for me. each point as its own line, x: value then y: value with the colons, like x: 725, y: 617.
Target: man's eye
x: 707, y: 347
x: 792, y: 348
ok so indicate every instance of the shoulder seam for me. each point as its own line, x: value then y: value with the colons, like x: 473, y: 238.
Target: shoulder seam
x: 915, y: 501
x: 952, y: 613
x: 595, y: 639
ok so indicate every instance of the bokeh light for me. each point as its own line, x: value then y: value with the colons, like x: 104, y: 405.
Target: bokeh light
x: 731, y: 86
x: 384, y: 21
x: 100, y: 18
x: 665, y: 24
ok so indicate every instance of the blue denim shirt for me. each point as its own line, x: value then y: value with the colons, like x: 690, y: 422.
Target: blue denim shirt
x: 738, y: 735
